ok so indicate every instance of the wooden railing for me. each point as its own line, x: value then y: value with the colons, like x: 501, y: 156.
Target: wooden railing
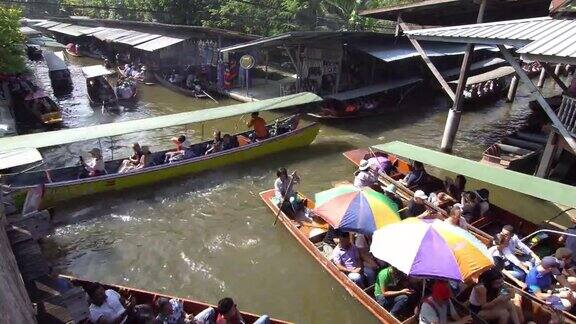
x: 567, y: 114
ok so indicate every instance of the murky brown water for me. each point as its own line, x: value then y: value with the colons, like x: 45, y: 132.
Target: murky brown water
x: 209, y: 235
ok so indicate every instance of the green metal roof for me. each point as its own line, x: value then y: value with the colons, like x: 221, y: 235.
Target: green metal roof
x: 72, y: 135
x: 530, y: 185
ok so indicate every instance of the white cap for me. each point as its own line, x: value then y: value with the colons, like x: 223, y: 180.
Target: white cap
x: 420, y: 194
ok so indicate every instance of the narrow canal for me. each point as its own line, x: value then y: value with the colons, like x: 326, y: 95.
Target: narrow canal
x: 210, y: 235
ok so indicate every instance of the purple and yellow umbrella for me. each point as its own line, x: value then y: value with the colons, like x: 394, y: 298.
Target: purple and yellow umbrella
x: 431, y: 249
x: 353, y: 209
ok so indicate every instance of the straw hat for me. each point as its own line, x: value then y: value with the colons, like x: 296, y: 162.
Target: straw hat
x: 364, y: 165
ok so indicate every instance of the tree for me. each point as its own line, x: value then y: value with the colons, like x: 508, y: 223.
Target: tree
x: 11, y: 41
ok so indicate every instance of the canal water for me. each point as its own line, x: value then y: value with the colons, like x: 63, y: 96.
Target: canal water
x: 208, y: 236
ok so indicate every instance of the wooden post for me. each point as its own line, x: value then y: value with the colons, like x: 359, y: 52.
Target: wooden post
x: 539, y: 97
x: 547, y: 156
x: 512, y: 89
x: 453, y: 120
x: 555, y: 76
x: 429, y: 63
x: 557, y: 69
x: 542, y: 78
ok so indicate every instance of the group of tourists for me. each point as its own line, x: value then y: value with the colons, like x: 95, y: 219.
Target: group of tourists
x: 484, y: 89
x: 109, y: 306
x: 551, y: 278
x: 133, y: 71
x: 142, y: 157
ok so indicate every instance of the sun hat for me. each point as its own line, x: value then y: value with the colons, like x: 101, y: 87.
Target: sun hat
x: 420, y: 194
x: 364, y: 165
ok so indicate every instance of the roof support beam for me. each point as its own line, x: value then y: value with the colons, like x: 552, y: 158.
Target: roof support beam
x: 429, y: 63
x: 539, y: 97
x: 554, y: 76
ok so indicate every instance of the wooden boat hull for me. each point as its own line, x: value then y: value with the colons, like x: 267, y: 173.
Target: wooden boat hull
x: 97, y: 101
x: 147, y: 297
x: 510, y: 157
x: 355, y: 291
x: 181, y: 90
x: 68, y: 190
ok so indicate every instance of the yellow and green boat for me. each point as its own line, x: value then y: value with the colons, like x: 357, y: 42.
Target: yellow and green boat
x: 62, y: 184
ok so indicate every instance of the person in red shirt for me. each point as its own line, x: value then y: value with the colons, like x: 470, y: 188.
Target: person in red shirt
x: 259, y: 125
x: 228, y: 313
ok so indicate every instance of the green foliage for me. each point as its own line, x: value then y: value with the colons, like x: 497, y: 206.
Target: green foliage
x: 11, y: 40
x: 260, y: 17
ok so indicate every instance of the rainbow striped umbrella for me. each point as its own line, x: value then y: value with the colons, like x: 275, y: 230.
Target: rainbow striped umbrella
x: 431, y: 248
x: 353, y: 209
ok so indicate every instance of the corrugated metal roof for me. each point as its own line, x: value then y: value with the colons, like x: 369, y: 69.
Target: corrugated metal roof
x: 103, y: 34
x: 72, y: 30
x: 47, y: 24
x: 511, y: 32
x: 376, y: 88
x: 27, y: 31
x: 120, y: 34
x: 59, y: 26
x: 399, y: 49
x: 545, y: 38
x: 140, y: 38
x: 159, y: 43
x: 490, y: 75
x: 94, y: 30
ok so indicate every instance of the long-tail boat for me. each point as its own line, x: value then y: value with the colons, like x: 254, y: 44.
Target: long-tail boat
x: 176, y: 88
x: 308, y: 233
x: 100, y: 91
x: 149, y: 298
x: 63, y: 184
x: 36, y: 105
x: 496, y: 217
x: 58, y: 72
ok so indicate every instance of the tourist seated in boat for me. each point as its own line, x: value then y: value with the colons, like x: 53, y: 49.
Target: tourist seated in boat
x: 565, y: 298
x: 190, y: 80
x: 258, y: 124
x: 133, y: 160
x: 125, y: 89
x: 416, y: 176
x: 517, y: 246
x: 58, y: 283
x: 390, y: 293
x: 348, y: 259
x: 540, y: 279
x: 390, y: 192
x: 144, y: 161
x: 365, y: 176
x: 229, y: 142
x: 491, y: 302
x: 95, y: 165
x: 417, y: 206
x: 107, y: 306
x: 351, y: 108
x: 228, y: 313
x: 178, y: 153
x: 470, y: 206
x: 216, y: 145
x: 284, y: 191
x: 506, y: 260
x: 171, y: 311
x: 455, y: 217
x: 482, y: 196
x: 567, y: 264
x: 438, y: 307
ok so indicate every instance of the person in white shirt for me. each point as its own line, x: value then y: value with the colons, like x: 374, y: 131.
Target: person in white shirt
x: 365, y: 176
x: 107, y: 306
x: 284, y: 191
x: 517, y: 246
x: 506, y: 259
x: 95, y: 165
